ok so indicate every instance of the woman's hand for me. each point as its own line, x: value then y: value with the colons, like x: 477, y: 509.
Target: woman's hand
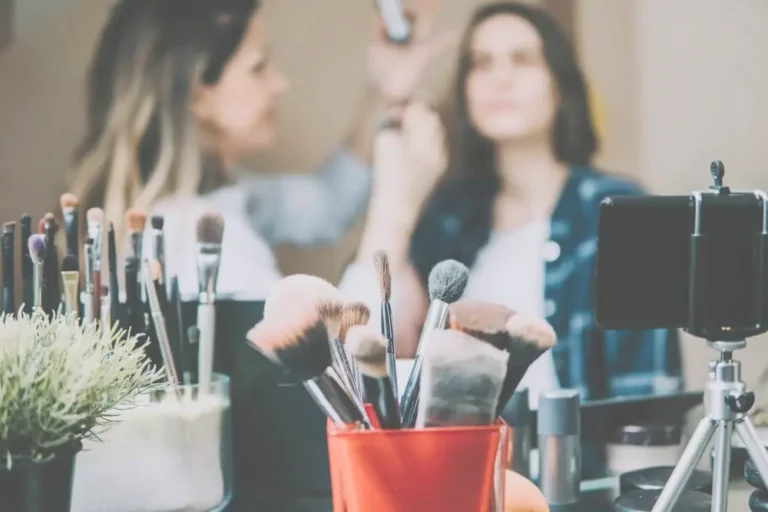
x: 396, y: 70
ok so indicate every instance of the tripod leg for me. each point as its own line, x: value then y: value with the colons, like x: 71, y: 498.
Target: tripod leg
x: 758, y: 454
x: 721, y: 474
x: 688, y: 460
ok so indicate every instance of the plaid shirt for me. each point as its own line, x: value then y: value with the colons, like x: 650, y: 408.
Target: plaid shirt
x: 598, y: 363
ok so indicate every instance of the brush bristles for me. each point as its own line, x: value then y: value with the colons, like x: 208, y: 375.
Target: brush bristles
x: 532, y: 330
x: 157, y: 222
x: 483, y: 320
x: 135, y: 219
x: 36, y: 245
x: 9, y: 228
x: 354, y: 314
x: 369, y: 348
x: 381, y: 263
x: 95, y: 215
x: 48, y: 222
x: 70, y: 264
x: 210, y: 228
x: 447, y: 281
x: 330, y: 312
x: 299, y: 290
x: 68, y: 201
x: 302, y: 348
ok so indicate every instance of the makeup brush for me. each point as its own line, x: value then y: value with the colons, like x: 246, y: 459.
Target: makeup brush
x: 193, y: 339
x: 381, y: 263
x: 51, y: 290
x: 354, y: 314
x: 461, y: 383
x: 369, y: 348
x: 27, y: 287
x: 183, y: 361
x: 300, y: 290
x: 70, y: 280
x: 330, y: 312
x: 210, y: 232
x: 447, y: 281
x: 95, y: 221
x: 491, y: 323
x: 135, y: 221
x: 151, y: 277
x: 9, y: 267
x: 69, y: 208
x: 92, y: 308
x: 105, y: 308
x: 299, y: 343
x: 158, y: 243
x: 37, y: 250
x: 115, y: 311
x: 134, y: 315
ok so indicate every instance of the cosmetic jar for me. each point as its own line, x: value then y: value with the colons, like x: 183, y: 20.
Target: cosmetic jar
x: 633, y: 447
x: 643, y: 501
x: 518, y: 416
x: 170, y: 452
x: 559, y: 448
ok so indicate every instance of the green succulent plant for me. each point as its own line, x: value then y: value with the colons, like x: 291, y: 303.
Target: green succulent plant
x: 62, y: 382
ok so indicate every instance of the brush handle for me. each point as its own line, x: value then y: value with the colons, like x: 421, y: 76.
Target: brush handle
x: 71, y: 226
x: 388, y: 331
x: 114, y: 284
x: 381, y: 396
x: 27, y: 280
x: 96, y: 298
x: 329, y: 394
x: 206, y: 322
x: 51, y: 291
x: 9, y: 271
x: 184, y: 362
x: 37, y: 285
x: 341, y: 364
x: 135, y: 313
x: 409, y: 405
x: 89, y: 308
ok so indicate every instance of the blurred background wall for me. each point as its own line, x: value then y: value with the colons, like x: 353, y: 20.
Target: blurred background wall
x: 679, y: 84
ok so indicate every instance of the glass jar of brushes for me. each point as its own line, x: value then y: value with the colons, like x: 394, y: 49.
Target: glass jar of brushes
x: 172, y: 452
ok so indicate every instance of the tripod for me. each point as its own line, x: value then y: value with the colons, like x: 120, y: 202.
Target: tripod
x: 726, y: 401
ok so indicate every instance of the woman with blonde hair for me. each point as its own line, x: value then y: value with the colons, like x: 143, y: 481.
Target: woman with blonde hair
x: 180, y: 92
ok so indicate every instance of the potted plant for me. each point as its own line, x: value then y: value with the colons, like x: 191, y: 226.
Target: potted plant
x: 60, y: 381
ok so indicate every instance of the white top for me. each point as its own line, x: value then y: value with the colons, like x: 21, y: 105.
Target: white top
x: 509, y: 270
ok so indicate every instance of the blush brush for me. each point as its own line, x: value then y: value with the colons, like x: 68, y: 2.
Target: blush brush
x: 299, y: 343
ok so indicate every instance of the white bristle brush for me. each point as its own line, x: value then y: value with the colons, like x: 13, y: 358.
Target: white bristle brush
x: 210, y: 233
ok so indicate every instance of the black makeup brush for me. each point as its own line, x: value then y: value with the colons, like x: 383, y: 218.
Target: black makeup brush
x: 178, y: 337
x: 9, y: 267
x: 95, y: 224
x: 298, y: 342
x: 369, y: 349
x: 51, y: 288
x: 158, y: 244
x: 461, y: 382
x: 69, y: 208
x: 446, y: 282
x: 192, y: 349
x: 134, y: 307
x: 354, y: 314
x: 381, y: 263
x: 210, y: 233
x: 37, y: 249
x: 115, y: 310
x: 27, y: 294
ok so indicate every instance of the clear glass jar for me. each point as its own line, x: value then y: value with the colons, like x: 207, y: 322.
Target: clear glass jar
x: 172, y: 452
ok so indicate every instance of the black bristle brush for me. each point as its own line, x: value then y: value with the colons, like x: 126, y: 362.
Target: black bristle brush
x: 299, y: 343
x: 27, y: 293
x: 369, y: 348
x: 523, y: 337
x: 51, y: 289
x: 9, y: 267
x: 381, y: 264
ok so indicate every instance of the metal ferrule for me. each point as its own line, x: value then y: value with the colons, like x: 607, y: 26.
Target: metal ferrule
x: 437, y: 318
x: 329, y: 394
x: 208, y: 262
x: 89, y: 258
x: 94, y: 233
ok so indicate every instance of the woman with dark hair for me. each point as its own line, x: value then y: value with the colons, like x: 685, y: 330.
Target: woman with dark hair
x: 518, y: 205
x: 182, y: 92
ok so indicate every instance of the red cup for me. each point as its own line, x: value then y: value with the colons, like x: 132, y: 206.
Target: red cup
x: 456, y: 469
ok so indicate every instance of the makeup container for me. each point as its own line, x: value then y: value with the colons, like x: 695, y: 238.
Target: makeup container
x: 559, y: 446
x: 654, y: 479
x: 643, y: 501
x: 172, y: 452
x: 633, y: 447
x: 517, y: 414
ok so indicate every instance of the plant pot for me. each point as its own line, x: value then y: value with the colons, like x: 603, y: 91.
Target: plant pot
x: 38, y: 487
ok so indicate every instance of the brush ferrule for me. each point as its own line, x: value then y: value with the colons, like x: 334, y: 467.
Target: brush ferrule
x: 208, y: 262
x: 37, y: 284
x: 94, y: 233
x: 71, y: 282
x: 437, y: 318
x: 329, y: 394
x: 88, y: 257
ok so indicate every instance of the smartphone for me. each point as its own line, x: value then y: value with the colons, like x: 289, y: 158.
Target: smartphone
x: 396, y: 23
x: 645, y: 265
